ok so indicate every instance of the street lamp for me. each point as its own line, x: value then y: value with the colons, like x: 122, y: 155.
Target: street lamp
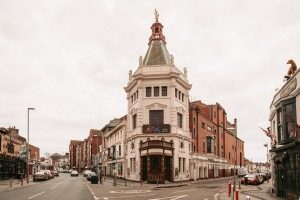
x: 27, y: 144
x: 266, y: 145
x: 235, y: 159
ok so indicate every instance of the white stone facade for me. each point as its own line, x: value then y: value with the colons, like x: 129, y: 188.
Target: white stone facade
x: 161, y: 114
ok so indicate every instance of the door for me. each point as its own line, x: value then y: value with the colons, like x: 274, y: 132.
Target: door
x: 168, y: 168
x: 144, y: 168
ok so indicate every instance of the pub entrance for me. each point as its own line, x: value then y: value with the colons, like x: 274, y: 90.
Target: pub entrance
x: 156, y: 168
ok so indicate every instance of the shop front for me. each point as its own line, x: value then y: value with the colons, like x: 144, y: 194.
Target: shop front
x: 156, y: 161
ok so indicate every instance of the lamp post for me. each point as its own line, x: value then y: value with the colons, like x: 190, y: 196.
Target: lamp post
x: 27, y: 144
x: 235, y: 155
x: 266, y: 145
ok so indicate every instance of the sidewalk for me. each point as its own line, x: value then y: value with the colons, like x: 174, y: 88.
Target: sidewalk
x: 251, y: 192
x: 13, y: 184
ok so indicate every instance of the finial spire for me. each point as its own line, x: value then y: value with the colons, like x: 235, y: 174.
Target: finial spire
x: 156, y: 15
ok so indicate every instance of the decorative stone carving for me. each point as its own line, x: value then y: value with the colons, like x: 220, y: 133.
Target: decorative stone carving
x: 130, y: 75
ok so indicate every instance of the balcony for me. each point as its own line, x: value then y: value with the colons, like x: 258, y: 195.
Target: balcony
x: 161, y: 128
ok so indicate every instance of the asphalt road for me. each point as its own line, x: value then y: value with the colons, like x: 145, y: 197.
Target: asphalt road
x: 63, y: 187
x: 202, y: 190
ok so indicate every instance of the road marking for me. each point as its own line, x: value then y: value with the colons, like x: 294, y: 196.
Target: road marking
x: 130, y: 191
x: 93, y: 194
x: 128, y: 196
x: 53, y: 187
x: 171, y: 198
x: 183, y: 190
x: 36, y: 195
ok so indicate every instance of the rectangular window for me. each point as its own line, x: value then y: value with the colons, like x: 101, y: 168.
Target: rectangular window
x: 137, y: 94
x: 179, y: 120
x: 209, y: 150
x: 156, y: 117
x: 134, y: 165
x: 176, y: 92
x: 183, y: 163
x: 119, y: 150
x: 134, y: 121
x: 148, y: 91
x: 164, y: 91
x: 290, y: 121
x: 179, y: 95
x: 156, y: 91
x: 179, y: 164
x: 182, y: 98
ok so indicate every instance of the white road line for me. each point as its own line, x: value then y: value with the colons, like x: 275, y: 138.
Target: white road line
x: 183, y: 190
x: 128, y: 196
x: 171, y: 198
x: 36, y: 195
x: 53, y: 187
x: 93, y: 194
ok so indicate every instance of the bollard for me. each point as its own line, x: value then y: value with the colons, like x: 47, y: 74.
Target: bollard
x: 10, y: 182
x: 247, y: 197
x: 237, y: 195
x: 229, y: 188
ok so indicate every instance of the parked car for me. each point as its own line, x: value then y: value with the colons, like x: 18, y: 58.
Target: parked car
x: 88, y: 177
x: 267, y: 175
x: 74, y: 173
x: 260, y: 177
x: 48, y: 172
x: 86, y: 172
x: 94, y: 178
x: 40, y: 176
x: 55, y: 173
x: 242, y: 172
x: 251, y: 179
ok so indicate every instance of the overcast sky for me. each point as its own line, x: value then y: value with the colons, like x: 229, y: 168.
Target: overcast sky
x: 70, y: 60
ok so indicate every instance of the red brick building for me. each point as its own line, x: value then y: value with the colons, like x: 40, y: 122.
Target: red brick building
x: 94, y: 140
x: 85, y: 154
x: 213, y: 141
x: 74, y: 147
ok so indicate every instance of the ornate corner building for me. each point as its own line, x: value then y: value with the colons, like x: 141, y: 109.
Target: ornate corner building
x: 284, y: 128
x: 168, y: 138
x: 158, y: 135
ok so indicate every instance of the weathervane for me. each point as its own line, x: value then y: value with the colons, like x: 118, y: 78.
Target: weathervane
x: 156, y: 15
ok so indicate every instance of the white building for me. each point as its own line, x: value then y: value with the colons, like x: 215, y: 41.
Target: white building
x: 113, y: 153
x: 158, y: 136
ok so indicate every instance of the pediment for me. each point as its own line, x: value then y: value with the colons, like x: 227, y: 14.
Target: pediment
x: 156, y: 106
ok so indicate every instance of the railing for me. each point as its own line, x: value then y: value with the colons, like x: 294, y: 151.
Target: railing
x: 161, y: 128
